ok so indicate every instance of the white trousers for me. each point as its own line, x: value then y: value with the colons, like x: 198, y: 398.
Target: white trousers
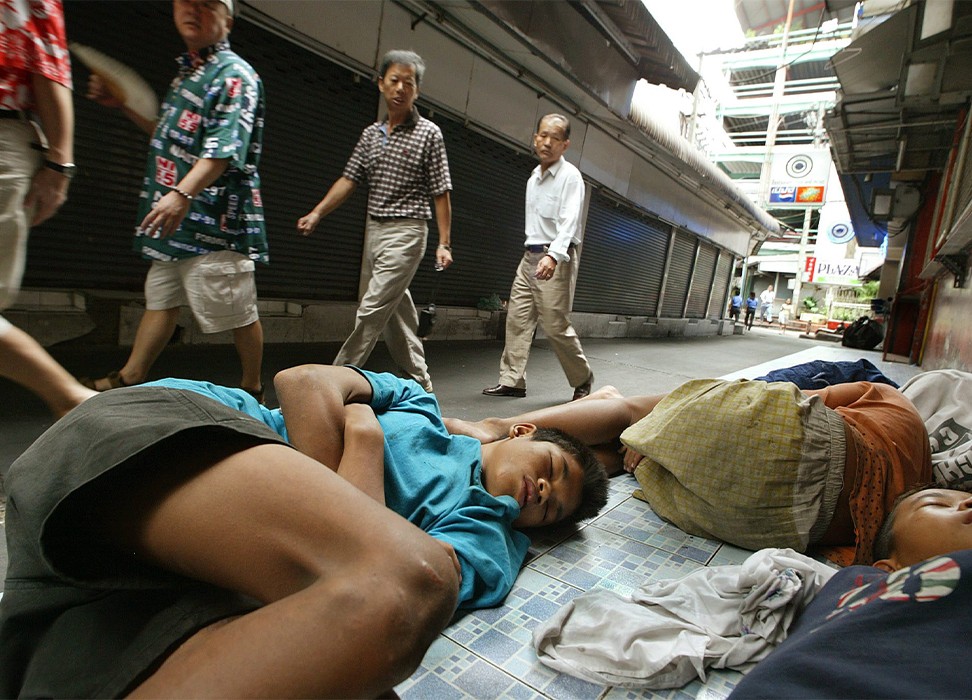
x: 18, y: 164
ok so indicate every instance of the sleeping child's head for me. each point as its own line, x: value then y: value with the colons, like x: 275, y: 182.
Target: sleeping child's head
x: 925, y: 522
x: 552, y: 475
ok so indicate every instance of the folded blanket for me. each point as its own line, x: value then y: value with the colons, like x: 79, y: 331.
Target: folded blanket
x: 668, y: 633
x: 819, y: 374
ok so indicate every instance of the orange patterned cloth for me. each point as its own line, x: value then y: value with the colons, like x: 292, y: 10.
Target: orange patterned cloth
x: 893, y: 455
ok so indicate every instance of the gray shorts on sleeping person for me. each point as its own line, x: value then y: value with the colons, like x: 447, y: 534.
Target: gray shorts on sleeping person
x: 78, y: 619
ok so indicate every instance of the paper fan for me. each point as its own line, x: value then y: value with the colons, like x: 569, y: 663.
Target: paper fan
x: 123, y: 82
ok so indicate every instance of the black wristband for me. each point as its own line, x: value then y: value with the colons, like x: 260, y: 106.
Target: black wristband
x: 68, y: 170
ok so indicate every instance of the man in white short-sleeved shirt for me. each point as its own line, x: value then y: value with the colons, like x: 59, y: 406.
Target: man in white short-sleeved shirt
x: 542, y: 286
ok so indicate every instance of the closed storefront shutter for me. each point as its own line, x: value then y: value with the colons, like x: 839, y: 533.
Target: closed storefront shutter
x: 489, y: 186
x: 701, y: 282
x: 679, y: 275
x: 315, y: 113
x: 720, y: 287
x: 623, y: 260
x: 316, y: 110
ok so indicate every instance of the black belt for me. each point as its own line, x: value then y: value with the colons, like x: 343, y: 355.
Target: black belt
x: 545, y: 248
x: 10, y: 114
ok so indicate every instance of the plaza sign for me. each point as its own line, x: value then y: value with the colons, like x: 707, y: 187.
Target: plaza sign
x: 841, y: 272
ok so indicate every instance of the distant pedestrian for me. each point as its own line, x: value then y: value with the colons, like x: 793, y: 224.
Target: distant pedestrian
x: 751, y: 304
x: 766, y: 300
x: 785, y: 310
x: 735, y: 304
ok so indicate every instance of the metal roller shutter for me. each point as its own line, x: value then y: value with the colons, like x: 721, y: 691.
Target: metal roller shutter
x: 679, y: 275
x: 623, y: 260
x: 720, y: 286
x: 701, y: 282
x: 315, y: 113
x: 489, y: 187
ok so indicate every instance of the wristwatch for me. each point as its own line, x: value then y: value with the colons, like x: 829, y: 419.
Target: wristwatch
x: 68, y: 170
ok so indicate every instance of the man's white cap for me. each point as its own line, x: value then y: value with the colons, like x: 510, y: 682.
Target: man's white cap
x: 231, y: 6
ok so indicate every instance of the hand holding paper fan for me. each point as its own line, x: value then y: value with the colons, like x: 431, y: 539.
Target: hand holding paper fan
x: 124, y: 84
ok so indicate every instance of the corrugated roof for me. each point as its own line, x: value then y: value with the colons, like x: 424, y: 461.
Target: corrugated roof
x: 658, y: 61
x: 763, y: 17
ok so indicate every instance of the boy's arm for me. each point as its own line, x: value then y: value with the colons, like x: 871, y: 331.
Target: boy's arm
x: 489, y: 554
x: 595, y: 420
x: 363, y: 461
x: 313, y: 399
x: 838, y: 395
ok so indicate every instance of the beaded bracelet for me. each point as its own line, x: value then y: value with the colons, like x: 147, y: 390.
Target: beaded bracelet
x: 182, y: 193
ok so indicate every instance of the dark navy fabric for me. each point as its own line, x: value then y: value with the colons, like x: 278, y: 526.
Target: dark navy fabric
x: 869, y: 634
x: 819, y: 374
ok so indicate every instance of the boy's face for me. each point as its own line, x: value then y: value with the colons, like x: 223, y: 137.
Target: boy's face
x: 542, y: 477
x: 931, y: 523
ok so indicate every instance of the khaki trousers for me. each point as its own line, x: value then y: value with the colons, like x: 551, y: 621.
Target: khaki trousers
x: 547, y: 302
x: 18, y: 163
x: 393, y: 250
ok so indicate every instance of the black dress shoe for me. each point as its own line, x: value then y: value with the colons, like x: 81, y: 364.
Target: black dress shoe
x: 584, y: 389
x: 503, y: 390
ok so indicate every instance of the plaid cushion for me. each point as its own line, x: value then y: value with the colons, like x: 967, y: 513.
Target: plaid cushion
x: 745, y: 462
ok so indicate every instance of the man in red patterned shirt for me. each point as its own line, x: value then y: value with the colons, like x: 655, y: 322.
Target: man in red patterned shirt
x: 37, y: 143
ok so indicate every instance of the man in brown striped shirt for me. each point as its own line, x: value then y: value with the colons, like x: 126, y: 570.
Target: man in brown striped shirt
x: 403, y: 161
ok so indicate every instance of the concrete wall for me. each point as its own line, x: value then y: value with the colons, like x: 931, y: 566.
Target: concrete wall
x: 56, y: 316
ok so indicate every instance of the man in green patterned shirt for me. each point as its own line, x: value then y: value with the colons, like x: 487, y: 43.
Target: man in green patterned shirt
x: 201, y: 215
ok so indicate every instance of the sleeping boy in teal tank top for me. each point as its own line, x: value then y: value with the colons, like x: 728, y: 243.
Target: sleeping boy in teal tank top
x: 386, y: 435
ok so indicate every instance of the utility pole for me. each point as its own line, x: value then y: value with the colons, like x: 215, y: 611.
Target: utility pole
x: 801, y: 262
x: 778, y: 87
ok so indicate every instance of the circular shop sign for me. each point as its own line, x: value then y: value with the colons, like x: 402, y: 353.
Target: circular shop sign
x: 840, y: 233
x: 799, y: 166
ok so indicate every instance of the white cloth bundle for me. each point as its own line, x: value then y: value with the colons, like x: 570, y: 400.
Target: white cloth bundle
x: 943, y: 398
x: 668, y: 632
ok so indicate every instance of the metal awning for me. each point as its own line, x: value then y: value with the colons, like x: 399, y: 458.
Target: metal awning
x: 901, y: 94
x: 765, y: 16
x: 635, y: 32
